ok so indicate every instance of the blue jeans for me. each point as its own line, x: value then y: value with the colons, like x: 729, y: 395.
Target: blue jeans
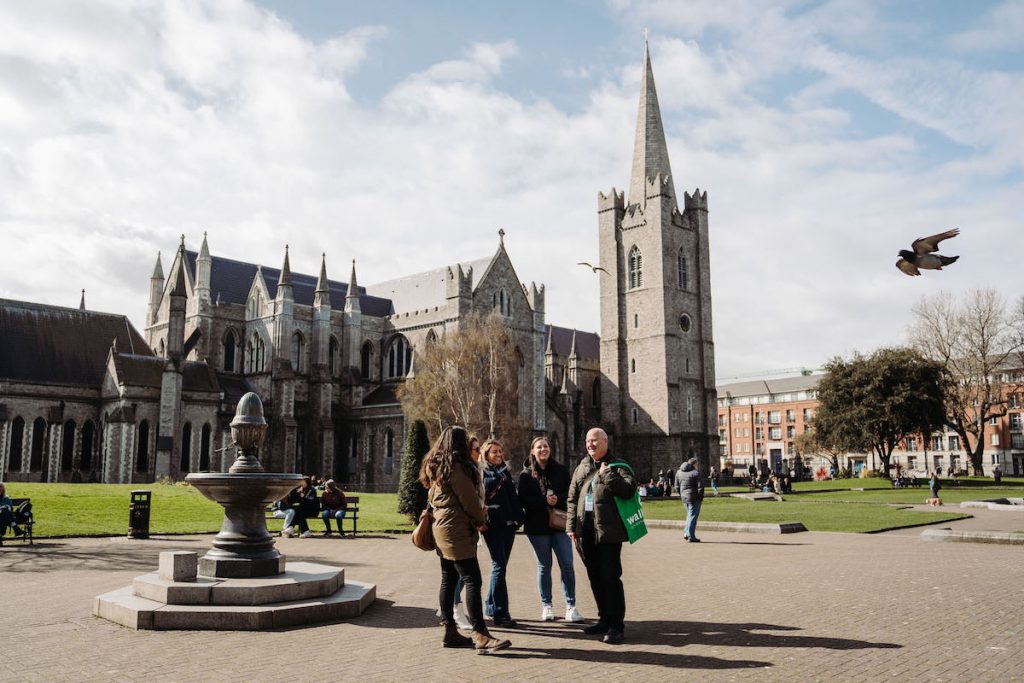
x: 543, y: 545
x: 339, y: 515
x: 499, y: 543
x: 692, y: 511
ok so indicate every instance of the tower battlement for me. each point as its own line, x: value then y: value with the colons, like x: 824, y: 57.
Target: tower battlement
x: 615, y: 200
x: 659, y: 185
x: 695, y: 201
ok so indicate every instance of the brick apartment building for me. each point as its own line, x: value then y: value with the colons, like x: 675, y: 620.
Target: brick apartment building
x: 759, y: 420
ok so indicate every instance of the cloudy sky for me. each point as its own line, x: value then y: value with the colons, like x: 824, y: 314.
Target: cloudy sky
x: 404, y: 134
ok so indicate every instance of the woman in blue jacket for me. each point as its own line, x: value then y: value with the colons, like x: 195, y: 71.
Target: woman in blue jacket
x: 504, y: 516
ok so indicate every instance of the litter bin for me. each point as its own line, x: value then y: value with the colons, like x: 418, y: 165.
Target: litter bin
x: 138, y: 514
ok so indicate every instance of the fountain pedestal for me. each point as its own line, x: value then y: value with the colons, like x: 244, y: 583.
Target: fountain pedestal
x: 243, y: 581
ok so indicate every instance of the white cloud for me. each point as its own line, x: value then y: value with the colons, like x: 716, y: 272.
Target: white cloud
x: 1002, y: 28
x: 123, y: 126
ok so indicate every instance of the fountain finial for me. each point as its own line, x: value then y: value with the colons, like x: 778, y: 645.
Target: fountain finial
x: 248, y: 428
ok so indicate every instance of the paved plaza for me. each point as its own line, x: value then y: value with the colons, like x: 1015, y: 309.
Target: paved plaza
x: 810, y: 606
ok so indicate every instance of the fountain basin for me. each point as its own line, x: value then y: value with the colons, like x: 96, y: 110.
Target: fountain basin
x: 243, y: 548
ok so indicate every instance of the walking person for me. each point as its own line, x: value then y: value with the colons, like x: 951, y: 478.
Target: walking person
x: 597, y: 530
x: 714, y: 479
x: 504, y: 516
x: 333, y: 503
x: 452, y: 481
x: 543, y: 490
x: 691, y: 491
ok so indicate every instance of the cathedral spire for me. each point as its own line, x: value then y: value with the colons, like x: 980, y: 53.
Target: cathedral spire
x: 572, y: 347
x: 650, y: 153
x: 352, y: 296
x: 322, y: 295
x: 286, y: 271
x: 158, y: 269
x: 204, y: 251
x: 81, y: 304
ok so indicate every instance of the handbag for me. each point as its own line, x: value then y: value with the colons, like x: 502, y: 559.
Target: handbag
x: 423, y: 534
x: 556, y: 518
x: 631, y: 511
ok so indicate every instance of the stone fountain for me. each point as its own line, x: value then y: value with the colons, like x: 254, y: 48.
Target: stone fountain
x: 243, y: 581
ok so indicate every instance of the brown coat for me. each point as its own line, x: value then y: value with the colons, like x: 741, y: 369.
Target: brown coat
x: 457, y: 514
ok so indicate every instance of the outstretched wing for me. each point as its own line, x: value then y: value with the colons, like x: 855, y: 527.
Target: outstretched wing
x: 602, y: 270
x: 928, y: 245
x: 907, y: 267
x: 584, y: 263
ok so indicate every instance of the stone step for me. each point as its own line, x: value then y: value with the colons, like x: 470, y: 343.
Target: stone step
x: 300, y: 581
x: 125, y: 608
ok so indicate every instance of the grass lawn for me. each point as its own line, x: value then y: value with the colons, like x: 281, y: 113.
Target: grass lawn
x: 102, y: 509
x: 816, y: 516
x: 949, y: 494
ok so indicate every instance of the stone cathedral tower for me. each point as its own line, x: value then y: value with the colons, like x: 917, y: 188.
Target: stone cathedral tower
x: 657, y: 352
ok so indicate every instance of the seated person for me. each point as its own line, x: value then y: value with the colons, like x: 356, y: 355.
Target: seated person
x: 7, y: 516
x: 306, y: 505
x: 282, y: 509
x: 333, y: 504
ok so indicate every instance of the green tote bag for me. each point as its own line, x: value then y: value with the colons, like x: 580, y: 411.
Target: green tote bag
x: 631, y: 511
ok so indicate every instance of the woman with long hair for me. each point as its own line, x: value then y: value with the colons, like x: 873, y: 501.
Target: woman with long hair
x: 504, y: 516
x: 452, y: 481
x: 543, y: 488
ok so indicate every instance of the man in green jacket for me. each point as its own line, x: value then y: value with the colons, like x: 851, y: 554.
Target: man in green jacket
x: 597, y: 530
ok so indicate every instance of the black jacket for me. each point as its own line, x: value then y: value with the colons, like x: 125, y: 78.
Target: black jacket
x: 306, y: 504
x: 533, y: 496
x: 610, y: 483
x: 501, y: 499
x: 689, y: 483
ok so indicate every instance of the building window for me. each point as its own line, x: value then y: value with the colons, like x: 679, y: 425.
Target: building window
x: 353, y: 455
x: 911, y: 462
x: 332, y: 356
x: 775, y: 433
x: 685, y: 323
x: 399, y: 358
x: 687, y: 363
x: 683, y: 271
x: 204, y: 449
x: 636, y: 416
x: 995, y: 439
x: 88, y: 444
x: 142, y: 448
x: 936, y: 443
x: 184, y: 462
x: 689, y: 414
x: 758, y: 433
x: 774, y: 417
x: 389, y: 452
x: 746, y: 430
x: 790, y: 432
x: 298, y: 355
x: 636, y: 268
x: 808, y: 414
x: 790, y: 415
x: 365, y: 359
x: 1015, y: 422
x: 67, y: 447
x: 230, y: 343
x: 954, y: 442
x: 632, y: 365
x: 636, y: 321
x: 911, y: 443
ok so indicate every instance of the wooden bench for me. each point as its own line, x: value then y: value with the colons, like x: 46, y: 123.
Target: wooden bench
x: 351, y: 514
x: 26, y: 523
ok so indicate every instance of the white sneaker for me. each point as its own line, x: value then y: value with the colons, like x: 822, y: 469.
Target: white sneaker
x: 547, y: 614
x: 288, y: 531
x: 306, y: 534
x: 572, y: 614
x: 461, y: 620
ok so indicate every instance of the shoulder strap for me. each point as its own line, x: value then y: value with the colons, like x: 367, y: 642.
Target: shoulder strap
x: 621, y: 464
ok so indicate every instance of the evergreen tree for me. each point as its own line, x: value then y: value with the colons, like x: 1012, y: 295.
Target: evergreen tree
x: 412, y: 497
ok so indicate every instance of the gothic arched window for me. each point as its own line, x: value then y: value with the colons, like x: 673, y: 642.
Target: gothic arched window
x: 389, y: 451
x: 67, y: 447
x: 636, y: 268
x: 142, y: 448
x: 399, y: 358
x: 88, y: 443
x: 332, y: 356
x: 365, y: 360
x: 17, y: 444
x: 204, y: 448
x: 683, y: 274
x: 186, y: 449
x: 297, y: 351
x: 230, y: 343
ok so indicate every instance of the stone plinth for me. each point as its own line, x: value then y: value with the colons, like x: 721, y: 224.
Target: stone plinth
x: 179, y: 565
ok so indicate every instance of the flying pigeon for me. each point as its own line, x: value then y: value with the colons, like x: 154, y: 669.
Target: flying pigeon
x: 593, y: 268
x: 923, y: 254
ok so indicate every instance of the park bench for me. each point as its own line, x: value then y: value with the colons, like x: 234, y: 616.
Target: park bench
x: 26, y: 522
x: 351, y: 514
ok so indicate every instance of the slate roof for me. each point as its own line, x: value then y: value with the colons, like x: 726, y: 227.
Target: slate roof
x: 147, y: 371
x: 56, y: 345
x: 382, y: 395
x: 424, y: 290
x: 588, y: 344
x: 761, y: 387
x: 233, y: 386
x: 231, y: 280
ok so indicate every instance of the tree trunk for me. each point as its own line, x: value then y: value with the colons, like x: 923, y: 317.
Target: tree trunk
x: 977, y: 457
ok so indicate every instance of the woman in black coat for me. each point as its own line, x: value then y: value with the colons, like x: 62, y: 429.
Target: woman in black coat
x: 543, y: 487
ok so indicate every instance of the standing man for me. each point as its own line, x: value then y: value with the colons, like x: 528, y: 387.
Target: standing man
x: 691, y: 490
x: 597, y: 530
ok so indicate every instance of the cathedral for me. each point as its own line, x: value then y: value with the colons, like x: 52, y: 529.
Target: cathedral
x: 84, y: 396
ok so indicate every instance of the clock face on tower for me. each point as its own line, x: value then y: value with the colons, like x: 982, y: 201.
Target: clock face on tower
x: 685, y: 323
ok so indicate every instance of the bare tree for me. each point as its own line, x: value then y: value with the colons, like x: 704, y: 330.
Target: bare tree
x: 981, y: 347
x: 469, y: 377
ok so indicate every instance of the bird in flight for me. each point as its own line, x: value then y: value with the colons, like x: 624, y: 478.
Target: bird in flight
x: 593, y: 268
x: 923, y: 254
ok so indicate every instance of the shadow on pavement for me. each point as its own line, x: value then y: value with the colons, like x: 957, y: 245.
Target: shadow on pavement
x: 742, y: 635
x: 385, y: 614
x: 622, y: 654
